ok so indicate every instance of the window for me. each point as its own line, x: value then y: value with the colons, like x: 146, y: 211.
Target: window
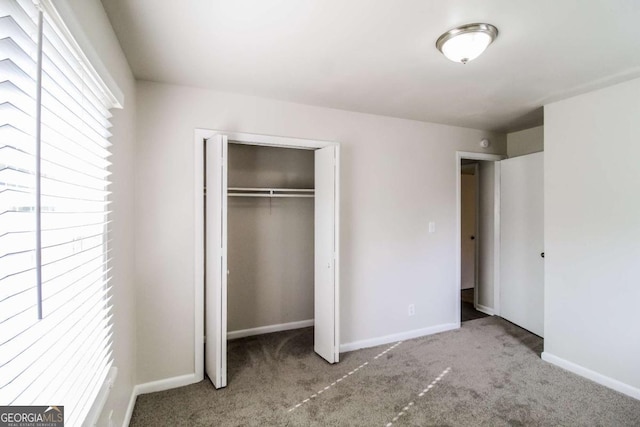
x: 55, y: 322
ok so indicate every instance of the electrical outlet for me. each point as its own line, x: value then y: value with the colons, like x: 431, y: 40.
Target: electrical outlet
x: 412, y: 310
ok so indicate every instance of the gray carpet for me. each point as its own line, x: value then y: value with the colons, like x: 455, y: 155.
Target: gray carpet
x: 496, y: 378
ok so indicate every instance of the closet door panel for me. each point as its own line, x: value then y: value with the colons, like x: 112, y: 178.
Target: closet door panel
x: 216, y: 260
x: 522, y: 241
x: 326, y: 272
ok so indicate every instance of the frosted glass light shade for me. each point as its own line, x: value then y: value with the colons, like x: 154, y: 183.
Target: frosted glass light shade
x: 466, y: 43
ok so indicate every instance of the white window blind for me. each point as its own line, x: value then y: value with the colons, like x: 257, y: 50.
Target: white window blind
x: 55, y: 322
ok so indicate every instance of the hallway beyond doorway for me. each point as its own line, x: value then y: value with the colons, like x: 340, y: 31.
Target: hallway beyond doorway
x: 467, y: 310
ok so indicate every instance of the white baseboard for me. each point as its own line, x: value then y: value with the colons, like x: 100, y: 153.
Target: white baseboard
x: 129, y: 413
x: 154, y: 386
x: 416, y: 333
x: 268, y: 329
x: 592, y: 375
x: 166, y: 384
x: 485, y: 310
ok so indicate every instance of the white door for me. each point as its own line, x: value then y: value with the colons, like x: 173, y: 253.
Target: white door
x: 522, y: 242
x: 216, y: 260
x: 326, y: 334
x: 468, y: 230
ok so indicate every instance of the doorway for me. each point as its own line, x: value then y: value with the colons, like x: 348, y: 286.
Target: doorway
x: 270, y: 254
x: 270, y: 239
x: 471, y: 199
x: 478, y: 235
x: 212, y: 297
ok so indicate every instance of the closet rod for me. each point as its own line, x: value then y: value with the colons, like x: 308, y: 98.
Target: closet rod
x: 268, y: 195
x: 270, y: 192
x: 288, y: 190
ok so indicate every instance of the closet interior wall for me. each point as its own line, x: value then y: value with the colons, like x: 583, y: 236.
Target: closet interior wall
x: 270, y: 239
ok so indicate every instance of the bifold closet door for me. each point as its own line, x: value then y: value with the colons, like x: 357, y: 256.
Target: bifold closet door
x: 522, y: 241
x: 216, y: 260
x: 326, y: 288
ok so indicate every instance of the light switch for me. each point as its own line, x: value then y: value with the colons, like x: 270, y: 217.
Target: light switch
x: 432, y: 227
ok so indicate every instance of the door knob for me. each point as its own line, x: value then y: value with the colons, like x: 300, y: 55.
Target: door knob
x: 542, y: 254
x: 473, y: 237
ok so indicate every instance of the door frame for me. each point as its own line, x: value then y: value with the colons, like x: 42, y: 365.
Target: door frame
x: 495, y: 158
x: 200, y: 135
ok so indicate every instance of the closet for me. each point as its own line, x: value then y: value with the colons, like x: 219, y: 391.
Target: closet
x: 271, y: 242
x: 270, y: 239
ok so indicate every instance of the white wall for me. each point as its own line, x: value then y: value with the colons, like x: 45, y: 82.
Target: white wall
x: 397, y: 175
x: 88, y: 17
x: 270, y: 240
x: 525, y: 142
x: 592, y: 234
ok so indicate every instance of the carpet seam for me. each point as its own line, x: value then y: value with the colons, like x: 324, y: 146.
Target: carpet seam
x: 336, y: 382
x: 408, y: 406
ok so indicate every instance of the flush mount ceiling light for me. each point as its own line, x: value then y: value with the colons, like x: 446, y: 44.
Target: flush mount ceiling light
x: 467, y: 42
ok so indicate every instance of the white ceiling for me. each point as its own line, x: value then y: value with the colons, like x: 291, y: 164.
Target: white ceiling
x: 379, y: 56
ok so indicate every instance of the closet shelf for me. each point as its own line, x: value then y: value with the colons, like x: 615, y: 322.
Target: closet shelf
x: 270, y: 192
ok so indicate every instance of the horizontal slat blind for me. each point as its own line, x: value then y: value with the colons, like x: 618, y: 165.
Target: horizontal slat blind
x: 18, y: 299
x: 64, y: 358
